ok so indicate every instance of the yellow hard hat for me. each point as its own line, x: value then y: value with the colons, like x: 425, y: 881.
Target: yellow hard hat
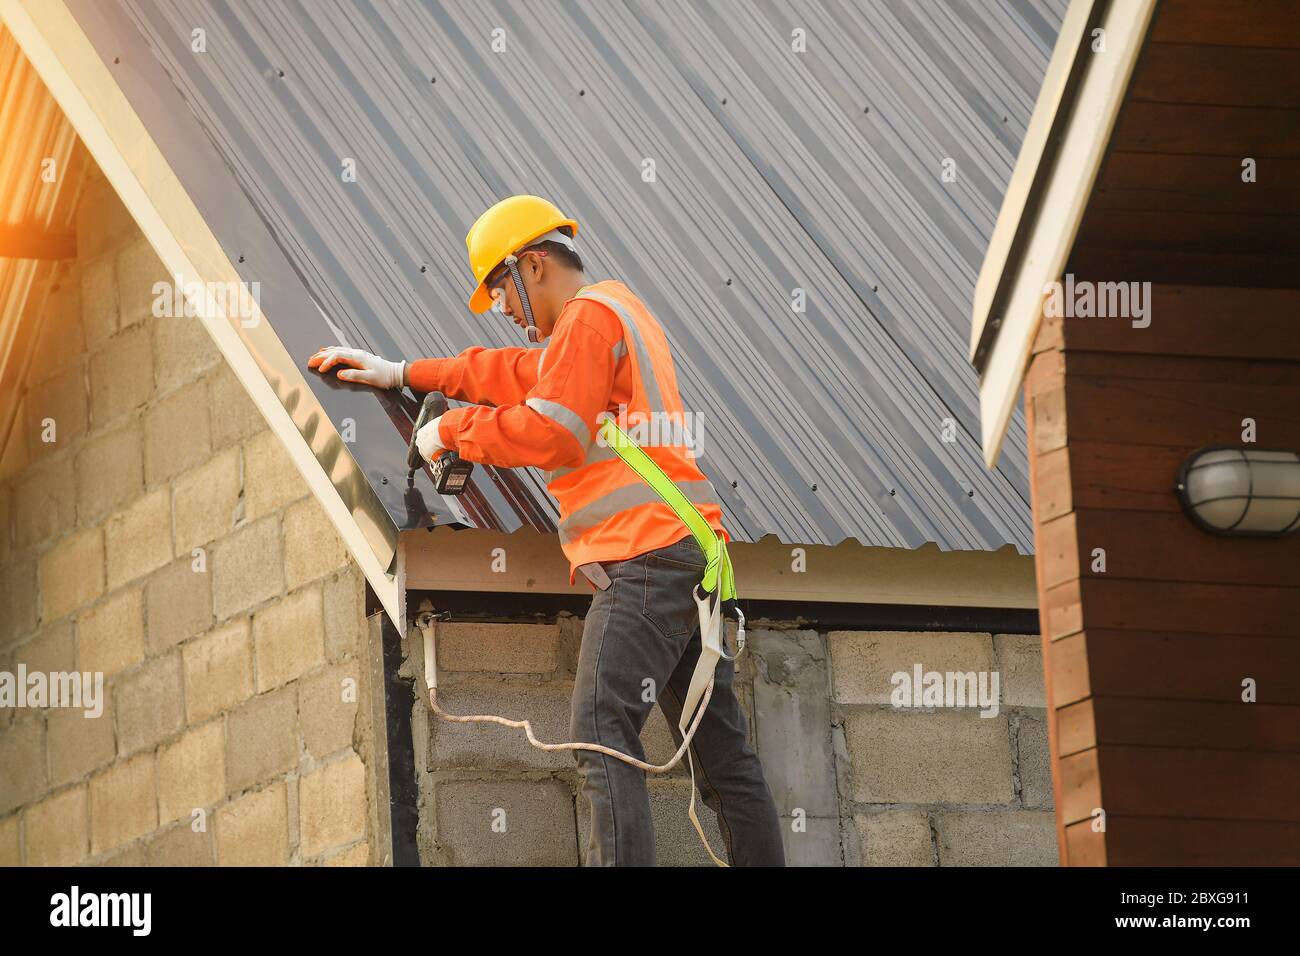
x: 505, y: 229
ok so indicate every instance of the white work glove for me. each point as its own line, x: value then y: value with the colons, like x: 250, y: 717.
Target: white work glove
x: 428, y: 442
x: 358, y: 366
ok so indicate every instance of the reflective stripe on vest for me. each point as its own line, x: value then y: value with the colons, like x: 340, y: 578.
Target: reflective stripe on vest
x: 653, y: 394
x: 629, y: 496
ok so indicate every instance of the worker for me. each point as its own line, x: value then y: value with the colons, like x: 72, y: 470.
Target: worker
x: 604, y: 355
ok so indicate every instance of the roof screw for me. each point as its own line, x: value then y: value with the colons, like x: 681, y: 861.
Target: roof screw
x: 724, y: 101
x: 241, y: 258
x: 282, y: 72
x: 892, y: 492
x: 866, y: 109
x: 424, y: 268
x: 814, y: 487
x: 728, y: 282
x: 735, y: 484
x: 117, y: 59
x: 433, y: 79
x: 582, y: 92
x: 384, y: 480
x: 875, y: 288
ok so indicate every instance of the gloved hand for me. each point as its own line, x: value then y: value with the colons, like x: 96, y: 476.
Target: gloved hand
x: 427, y: 441
x: 360, y: 367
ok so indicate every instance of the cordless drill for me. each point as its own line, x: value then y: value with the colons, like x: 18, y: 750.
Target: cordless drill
x: 450, y: 471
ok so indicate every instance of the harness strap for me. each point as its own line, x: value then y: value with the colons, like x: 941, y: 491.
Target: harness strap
x: 717, y: 573
x: 716, y: 590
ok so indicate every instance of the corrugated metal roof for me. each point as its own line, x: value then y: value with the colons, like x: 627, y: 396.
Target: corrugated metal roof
x: 775, y: 170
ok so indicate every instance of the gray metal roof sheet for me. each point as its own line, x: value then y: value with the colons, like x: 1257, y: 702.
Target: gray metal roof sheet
x: 775, y: 170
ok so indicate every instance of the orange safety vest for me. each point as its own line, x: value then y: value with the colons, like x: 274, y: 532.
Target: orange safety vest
x: 607, y: 512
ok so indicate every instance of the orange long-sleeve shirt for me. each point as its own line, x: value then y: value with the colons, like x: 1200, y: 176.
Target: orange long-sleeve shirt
x: 545, y: 400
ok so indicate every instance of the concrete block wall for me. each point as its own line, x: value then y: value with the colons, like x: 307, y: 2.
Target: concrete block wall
x: 165, y: 540
x: 488, y: 798
x: 857, y: 780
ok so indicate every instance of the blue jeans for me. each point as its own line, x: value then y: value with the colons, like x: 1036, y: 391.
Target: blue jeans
x: 642, y: 628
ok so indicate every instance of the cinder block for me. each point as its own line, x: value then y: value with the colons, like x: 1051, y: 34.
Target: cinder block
x: 54, y: 414
x: 61, y: 338
x: 327, y: 708
x: 1020, y: 659
x: 179, y: 603
x: 234, y: 416
x: 103, y: 222
x: 218, y: 671
x: 147, y: 703
x: 138, y: 269
x: 247, y: 568
x: 332, y: 806
x: 177, y: 433
x: 254, y: 829
x: 183, y: 350
x: 56, y: 829
x: 288, y: 639
x: 52, y: 649
x: 997, y: 838
x: 10, y: 841
x: 192, y: 772
x: 110, y: 636
x: 123, y: 803
x: 271, y: 479
x: 945, y: 757
x: 505, y: 823
x: 78, y: 743
x: 1034, y: 762
x: 72, y: 573
x: 181, y: 845
x: 358, y: 855
x: 792, y: 721
x: 139, y: 539
x: 262, y: 739
x: 110, y: 470
x: 46, y: 501
x: 22, y: 755
x: 19, y: 593
x: 98, y: 299
x: 863, y: 662
x: 131, y: 857
x: 498, y: 648
x: 206, y: 500
x: 121, y: 376
x: 345, y: 615
x: 895, y: 838
x: 312, y: 548
x: 491, y: 746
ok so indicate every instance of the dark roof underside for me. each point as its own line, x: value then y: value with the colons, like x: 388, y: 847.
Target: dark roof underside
x: 775, y: 170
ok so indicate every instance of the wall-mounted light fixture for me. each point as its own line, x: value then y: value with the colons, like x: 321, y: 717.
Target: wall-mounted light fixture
x: 1241, y: 491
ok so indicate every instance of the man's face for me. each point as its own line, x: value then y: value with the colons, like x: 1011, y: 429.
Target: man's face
x: 502, y: 288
